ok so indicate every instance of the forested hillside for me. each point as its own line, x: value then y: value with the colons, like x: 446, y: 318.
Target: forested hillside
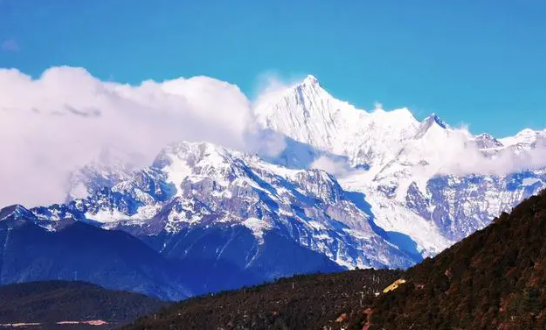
x: 494, y: 279
x: 50, y: 302
x: 300, y: 302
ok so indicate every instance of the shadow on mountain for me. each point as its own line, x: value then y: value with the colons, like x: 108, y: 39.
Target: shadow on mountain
x: 299, y: 155
x: 79, y: 251
x: 402, y: 241
x: 230, y: 257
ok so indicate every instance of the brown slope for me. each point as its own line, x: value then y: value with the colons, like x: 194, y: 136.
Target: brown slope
x: 300, y: 302
x: 494, y: 279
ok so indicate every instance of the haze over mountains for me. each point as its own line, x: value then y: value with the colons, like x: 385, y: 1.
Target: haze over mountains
x: 348, y: 189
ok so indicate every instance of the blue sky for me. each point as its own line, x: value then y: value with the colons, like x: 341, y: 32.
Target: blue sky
x: 482, y: 63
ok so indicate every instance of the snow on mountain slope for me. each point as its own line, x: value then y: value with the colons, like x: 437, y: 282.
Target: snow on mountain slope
x: 203, y: 185
x: 394, y: 217
x: 112, y: 166
x: 460, y: 205
x: 308, y: 114
x: 416, y: 175
x: 485, y: 141
x: 525, y: 137
x: 405, y: 188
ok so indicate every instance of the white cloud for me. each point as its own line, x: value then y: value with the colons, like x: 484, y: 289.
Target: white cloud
x: 66, y: 118
x: 510, y: 160
x: 338, y: 168
x: 454, y: 153
x: 271, y: 86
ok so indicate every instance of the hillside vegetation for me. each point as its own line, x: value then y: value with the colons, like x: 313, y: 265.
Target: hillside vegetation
x: 50, y: 302
x: 494, y: 279
x: 300, y: 302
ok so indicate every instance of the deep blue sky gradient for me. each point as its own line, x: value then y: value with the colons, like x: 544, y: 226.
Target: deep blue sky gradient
x: 479, y: 62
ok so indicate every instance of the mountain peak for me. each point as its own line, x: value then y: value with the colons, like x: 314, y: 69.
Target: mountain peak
x: 431, y: 121
x: 487, y: 141
x: 485, y: 136
x: 526, y: 136
x: 433, y: 118
x: 310, y: 80
x: 195, y: 152
x: 14, y: 211
x: 310, y: 85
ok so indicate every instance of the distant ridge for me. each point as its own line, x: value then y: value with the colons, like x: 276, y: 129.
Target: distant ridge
x: 51, y: 302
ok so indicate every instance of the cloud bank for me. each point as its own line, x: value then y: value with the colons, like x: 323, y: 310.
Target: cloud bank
x: 456, y: 152
x: 459, y: 157
x: 65, y: 119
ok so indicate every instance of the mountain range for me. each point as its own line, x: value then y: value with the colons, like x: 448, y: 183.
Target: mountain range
x: 350, y: 189
x: 493, y: 279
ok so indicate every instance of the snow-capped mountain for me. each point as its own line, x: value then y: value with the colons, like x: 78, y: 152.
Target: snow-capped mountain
x: 308, y: 114
x: 110, y: 168
x: 403, y: 182
x: 526, y: 137
x: 351, y: 189
x: 425, y: 179
x: 200, y: 184
x: 485, y: 141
